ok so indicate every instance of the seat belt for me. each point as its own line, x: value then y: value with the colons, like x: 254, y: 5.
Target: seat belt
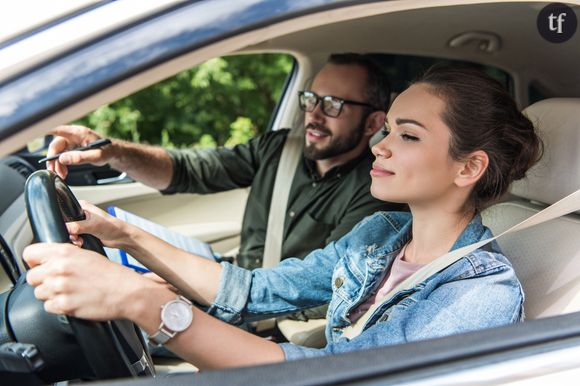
x: 568, y: 204
x: 291, y: 154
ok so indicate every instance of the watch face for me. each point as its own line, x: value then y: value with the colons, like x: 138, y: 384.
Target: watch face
x: 177, y: 315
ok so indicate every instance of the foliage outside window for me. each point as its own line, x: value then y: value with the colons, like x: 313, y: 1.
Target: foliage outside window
x: 224, y: 101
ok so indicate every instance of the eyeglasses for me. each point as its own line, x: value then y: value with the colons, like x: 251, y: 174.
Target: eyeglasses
x: 331, y: 106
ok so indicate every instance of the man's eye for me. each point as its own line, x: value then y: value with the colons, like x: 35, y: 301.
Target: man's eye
x: 385, y: 132
x: 407, y: 137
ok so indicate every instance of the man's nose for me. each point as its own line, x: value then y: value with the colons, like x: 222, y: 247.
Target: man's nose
x: 317, y: 113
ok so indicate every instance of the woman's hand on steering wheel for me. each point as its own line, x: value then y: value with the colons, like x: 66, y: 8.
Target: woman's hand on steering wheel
x: 83, y: 284
x: 110, y: 230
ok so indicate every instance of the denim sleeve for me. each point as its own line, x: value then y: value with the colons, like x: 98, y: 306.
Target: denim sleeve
x: 291, y: 286
x: 232, y: 296
x: 470, y: 304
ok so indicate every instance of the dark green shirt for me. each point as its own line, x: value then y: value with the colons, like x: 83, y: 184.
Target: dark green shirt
x: 320, y: 209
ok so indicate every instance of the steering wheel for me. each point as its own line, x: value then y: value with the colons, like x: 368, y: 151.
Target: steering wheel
x: 112, y: 348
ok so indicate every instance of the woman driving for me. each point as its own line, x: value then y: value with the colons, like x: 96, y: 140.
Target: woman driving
x: 453, y: 142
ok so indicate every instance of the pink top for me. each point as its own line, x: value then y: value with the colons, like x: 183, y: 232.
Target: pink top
x: 400, y: 270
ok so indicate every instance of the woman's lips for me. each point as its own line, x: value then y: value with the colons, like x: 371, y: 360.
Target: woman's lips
x: 378, y: 171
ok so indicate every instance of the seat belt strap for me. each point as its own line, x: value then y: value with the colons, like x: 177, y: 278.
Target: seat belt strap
x: 568, y: 204
x: 291, y: 154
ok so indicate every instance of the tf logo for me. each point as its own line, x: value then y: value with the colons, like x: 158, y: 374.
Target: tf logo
x: 557, y: 22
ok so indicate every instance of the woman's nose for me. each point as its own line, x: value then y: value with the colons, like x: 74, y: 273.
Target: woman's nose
x: 382, y: 149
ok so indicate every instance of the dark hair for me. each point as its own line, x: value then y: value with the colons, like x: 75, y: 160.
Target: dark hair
x: 482, y: 115
x: 378, y: 89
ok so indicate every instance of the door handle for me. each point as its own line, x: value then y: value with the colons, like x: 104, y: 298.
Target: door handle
x: 114, y: 180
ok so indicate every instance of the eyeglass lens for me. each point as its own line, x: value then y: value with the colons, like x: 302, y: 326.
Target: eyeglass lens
x: 330, y: 105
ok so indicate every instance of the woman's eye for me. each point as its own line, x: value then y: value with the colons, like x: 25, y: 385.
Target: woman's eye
x: 407, y: 137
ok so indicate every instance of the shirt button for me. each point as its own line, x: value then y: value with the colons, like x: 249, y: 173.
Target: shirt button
x: 314, y: 184
x: 338, y: 282
x: 291, y: 214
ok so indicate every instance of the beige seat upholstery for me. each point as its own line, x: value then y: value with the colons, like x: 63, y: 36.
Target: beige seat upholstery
x: 546, y: 257
x: 304, y: 333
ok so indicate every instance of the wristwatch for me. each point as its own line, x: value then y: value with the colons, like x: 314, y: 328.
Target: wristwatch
x: 176, y: 316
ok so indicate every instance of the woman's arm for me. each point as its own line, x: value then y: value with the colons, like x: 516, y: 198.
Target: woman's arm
x: 293, y: 285
x: 194, y: 276
x: 209, y: 342
x: 83, y: 284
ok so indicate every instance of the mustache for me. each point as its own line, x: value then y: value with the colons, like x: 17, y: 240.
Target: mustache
x: 315, y: 126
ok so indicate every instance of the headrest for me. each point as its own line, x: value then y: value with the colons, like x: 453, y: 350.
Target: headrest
x: 378, y: 136
x: 557, y: 174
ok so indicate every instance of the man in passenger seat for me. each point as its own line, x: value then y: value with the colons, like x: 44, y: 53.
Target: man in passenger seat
x: 330, y: 190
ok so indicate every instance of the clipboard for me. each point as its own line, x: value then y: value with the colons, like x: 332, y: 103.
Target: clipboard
x: 174, y: 238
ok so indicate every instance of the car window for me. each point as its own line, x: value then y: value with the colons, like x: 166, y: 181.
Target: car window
x: 222, y: 102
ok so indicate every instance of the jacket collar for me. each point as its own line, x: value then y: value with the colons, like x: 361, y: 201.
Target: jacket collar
x: 474, y: 232
x: 402, y: 223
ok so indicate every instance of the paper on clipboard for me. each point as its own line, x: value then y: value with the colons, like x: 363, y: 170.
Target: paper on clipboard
x: 176, y: 239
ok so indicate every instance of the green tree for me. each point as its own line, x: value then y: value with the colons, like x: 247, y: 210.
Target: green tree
x: 224, y: 101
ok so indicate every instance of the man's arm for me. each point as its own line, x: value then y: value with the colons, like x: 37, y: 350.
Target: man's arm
x: 172, y: 171
x: 147, y: 164
x: 216, y: 170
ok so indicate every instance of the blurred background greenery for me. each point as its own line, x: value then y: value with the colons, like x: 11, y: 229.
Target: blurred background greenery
x: 222, y: 102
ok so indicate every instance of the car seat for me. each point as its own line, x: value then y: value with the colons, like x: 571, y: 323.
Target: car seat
x: 546, y: 257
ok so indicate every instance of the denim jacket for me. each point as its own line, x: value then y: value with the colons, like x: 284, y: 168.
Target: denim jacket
x: 478, y: 291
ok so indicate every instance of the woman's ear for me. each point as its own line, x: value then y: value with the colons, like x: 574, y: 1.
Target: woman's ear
x: 375, y: 121
x: 473, y: 168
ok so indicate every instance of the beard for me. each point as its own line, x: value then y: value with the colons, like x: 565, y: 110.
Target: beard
x: 337, y: 145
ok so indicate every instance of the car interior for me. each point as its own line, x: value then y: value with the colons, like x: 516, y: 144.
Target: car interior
x: 406, y: 38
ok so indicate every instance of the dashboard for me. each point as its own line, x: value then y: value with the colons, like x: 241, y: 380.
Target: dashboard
x: 15, y: 232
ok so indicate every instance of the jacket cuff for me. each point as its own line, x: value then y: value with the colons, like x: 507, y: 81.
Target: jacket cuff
x: 233, y: 292
x: 294, y: 352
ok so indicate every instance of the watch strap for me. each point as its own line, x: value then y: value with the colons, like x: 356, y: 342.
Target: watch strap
x: 162, y: 335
